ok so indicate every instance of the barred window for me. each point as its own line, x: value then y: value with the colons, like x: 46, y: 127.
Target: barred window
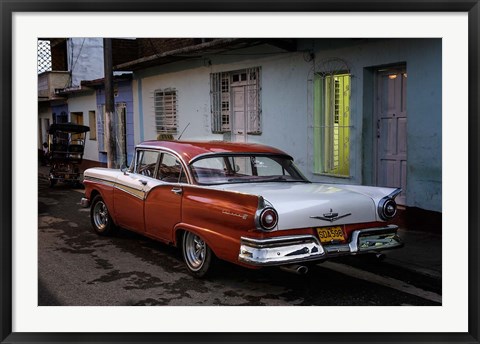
x: 222, y: 86
x: 220, y: 102
x: 332, y: 124
x: 165, y: 102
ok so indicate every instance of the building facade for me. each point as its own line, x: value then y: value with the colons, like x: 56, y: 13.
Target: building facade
x: 350, y: 111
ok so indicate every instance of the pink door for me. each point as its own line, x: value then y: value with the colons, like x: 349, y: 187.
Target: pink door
x: 391, y: 115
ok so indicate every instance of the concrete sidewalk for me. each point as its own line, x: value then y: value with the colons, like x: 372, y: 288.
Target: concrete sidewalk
x: 422, y: 252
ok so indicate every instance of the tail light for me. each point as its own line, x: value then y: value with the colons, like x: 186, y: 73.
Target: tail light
x: 266, y: 217
x: 387, y: 208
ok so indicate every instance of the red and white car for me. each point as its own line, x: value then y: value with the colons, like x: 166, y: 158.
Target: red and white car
x: 244, y: 203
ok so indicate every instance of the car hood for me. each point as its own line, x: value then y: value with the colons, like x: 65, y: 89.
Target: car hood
x: 301, y: 205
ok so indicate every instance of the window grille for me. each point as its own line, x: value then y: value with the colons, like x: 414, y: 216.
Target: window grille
x: 220, y: 102
x: 165, y: 102
x: 221, y: 99
x: 253, y: 101
x: 44, y: 56
x: 332, y: 124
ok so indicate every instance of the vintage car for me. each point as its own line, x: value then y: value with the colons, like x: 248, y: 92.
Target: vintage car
x: 243, y: 203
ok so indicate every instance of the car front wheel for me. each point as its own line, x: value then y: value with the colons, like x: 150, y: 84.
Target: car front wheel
x: 101, y: 220
x: 198, y: 257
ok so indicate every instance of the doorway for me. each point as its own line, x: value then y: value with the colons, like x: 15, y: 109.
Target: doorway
x: 390, y: 112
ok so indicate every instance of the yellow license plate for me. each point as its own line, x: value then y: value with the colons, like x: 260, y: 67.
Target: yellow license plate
x: 330, y: 234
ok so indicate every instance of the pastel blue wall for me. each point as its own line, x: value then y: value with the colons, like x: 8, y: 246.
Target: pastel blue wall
x: 287, y: 103
x: 423, y: 60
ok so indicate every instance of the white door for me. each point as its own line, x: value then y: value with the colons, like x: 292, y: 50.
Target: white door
x: 391, y: 120
x: 239, y: 118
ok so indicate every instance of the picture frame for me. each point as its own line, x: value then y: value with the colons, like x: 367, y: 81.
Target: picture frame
x: 7, y: 193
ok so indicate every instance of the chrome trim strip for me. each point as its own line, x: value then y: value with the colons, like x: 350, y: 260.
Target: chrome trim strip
x: 131, y: 191
x: 395, y: 193
x: 220, y: 154
x: 99, y: 180
x: 279, y: 241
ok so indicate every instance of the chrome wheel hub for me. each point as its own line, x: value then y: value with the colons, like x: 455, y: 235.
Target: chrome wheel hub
x: 195, y: 251
x: 100, y: 215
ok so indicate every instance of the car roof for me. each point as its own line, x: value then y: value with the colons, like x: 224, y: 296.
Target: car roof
x: 191, y: 150
x: 68, y: 128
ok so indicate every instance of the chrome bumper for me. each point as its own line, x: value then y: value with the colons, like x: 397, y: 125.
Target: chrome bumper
x: 302, y: 248
x: 85, y: 202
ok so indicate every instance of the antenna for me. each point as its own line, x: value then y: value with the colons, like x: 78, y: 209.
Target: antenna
x: 179, y: 137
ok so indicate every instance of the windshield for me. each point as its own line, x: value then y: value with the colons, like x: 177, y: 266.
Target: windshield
x: 245, y: 169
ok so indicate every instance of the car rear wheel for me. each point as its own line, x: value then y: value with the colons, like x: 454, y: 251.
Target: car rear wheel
x: 101, y: 220
x: 198, y: 257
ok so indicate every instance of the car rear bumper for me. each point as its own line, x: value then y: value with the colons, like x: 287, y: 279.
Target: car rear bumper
x: 85, y: 202
x: 304, y: 248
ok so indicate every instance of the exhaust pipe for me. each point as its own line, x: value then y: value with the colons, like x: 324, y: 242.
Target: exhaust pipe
x: 296, y: 269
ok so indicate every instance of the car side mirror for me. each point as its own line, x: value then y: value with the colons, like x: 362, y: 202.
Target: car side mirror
x: 124, y: 169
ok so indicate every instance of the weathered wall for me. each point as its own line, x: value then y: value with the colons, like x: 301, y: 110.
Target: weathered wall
x: 286, y: 81
x: 84, y: 104
x: 85, y: 59
x: 44, y: 113
x: 423, y: 59
x: 123, y: 94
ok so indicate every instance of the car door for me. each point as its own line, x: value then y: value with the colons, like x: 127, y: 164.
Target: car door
x: 131, y: 189
x: 164, y: 200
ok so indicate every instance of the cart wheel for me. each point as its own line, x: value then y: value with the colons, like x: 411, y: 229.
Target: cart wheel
x: 101, y: 220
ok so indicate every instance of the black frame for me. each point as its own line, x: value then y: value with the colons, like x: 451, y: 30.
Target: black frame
x: 8, y: 7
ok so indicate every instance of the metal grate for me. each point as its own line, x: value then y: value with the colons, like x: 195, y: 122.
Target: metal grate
x: 44, y: 56
x: 332, y: 124
x: 220, y: 102
x: 165, y: 102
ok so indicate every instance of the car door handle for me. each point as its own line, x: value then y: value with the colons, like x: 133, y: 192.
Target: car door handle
x: 177, y: 191
x: 144, y: 182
